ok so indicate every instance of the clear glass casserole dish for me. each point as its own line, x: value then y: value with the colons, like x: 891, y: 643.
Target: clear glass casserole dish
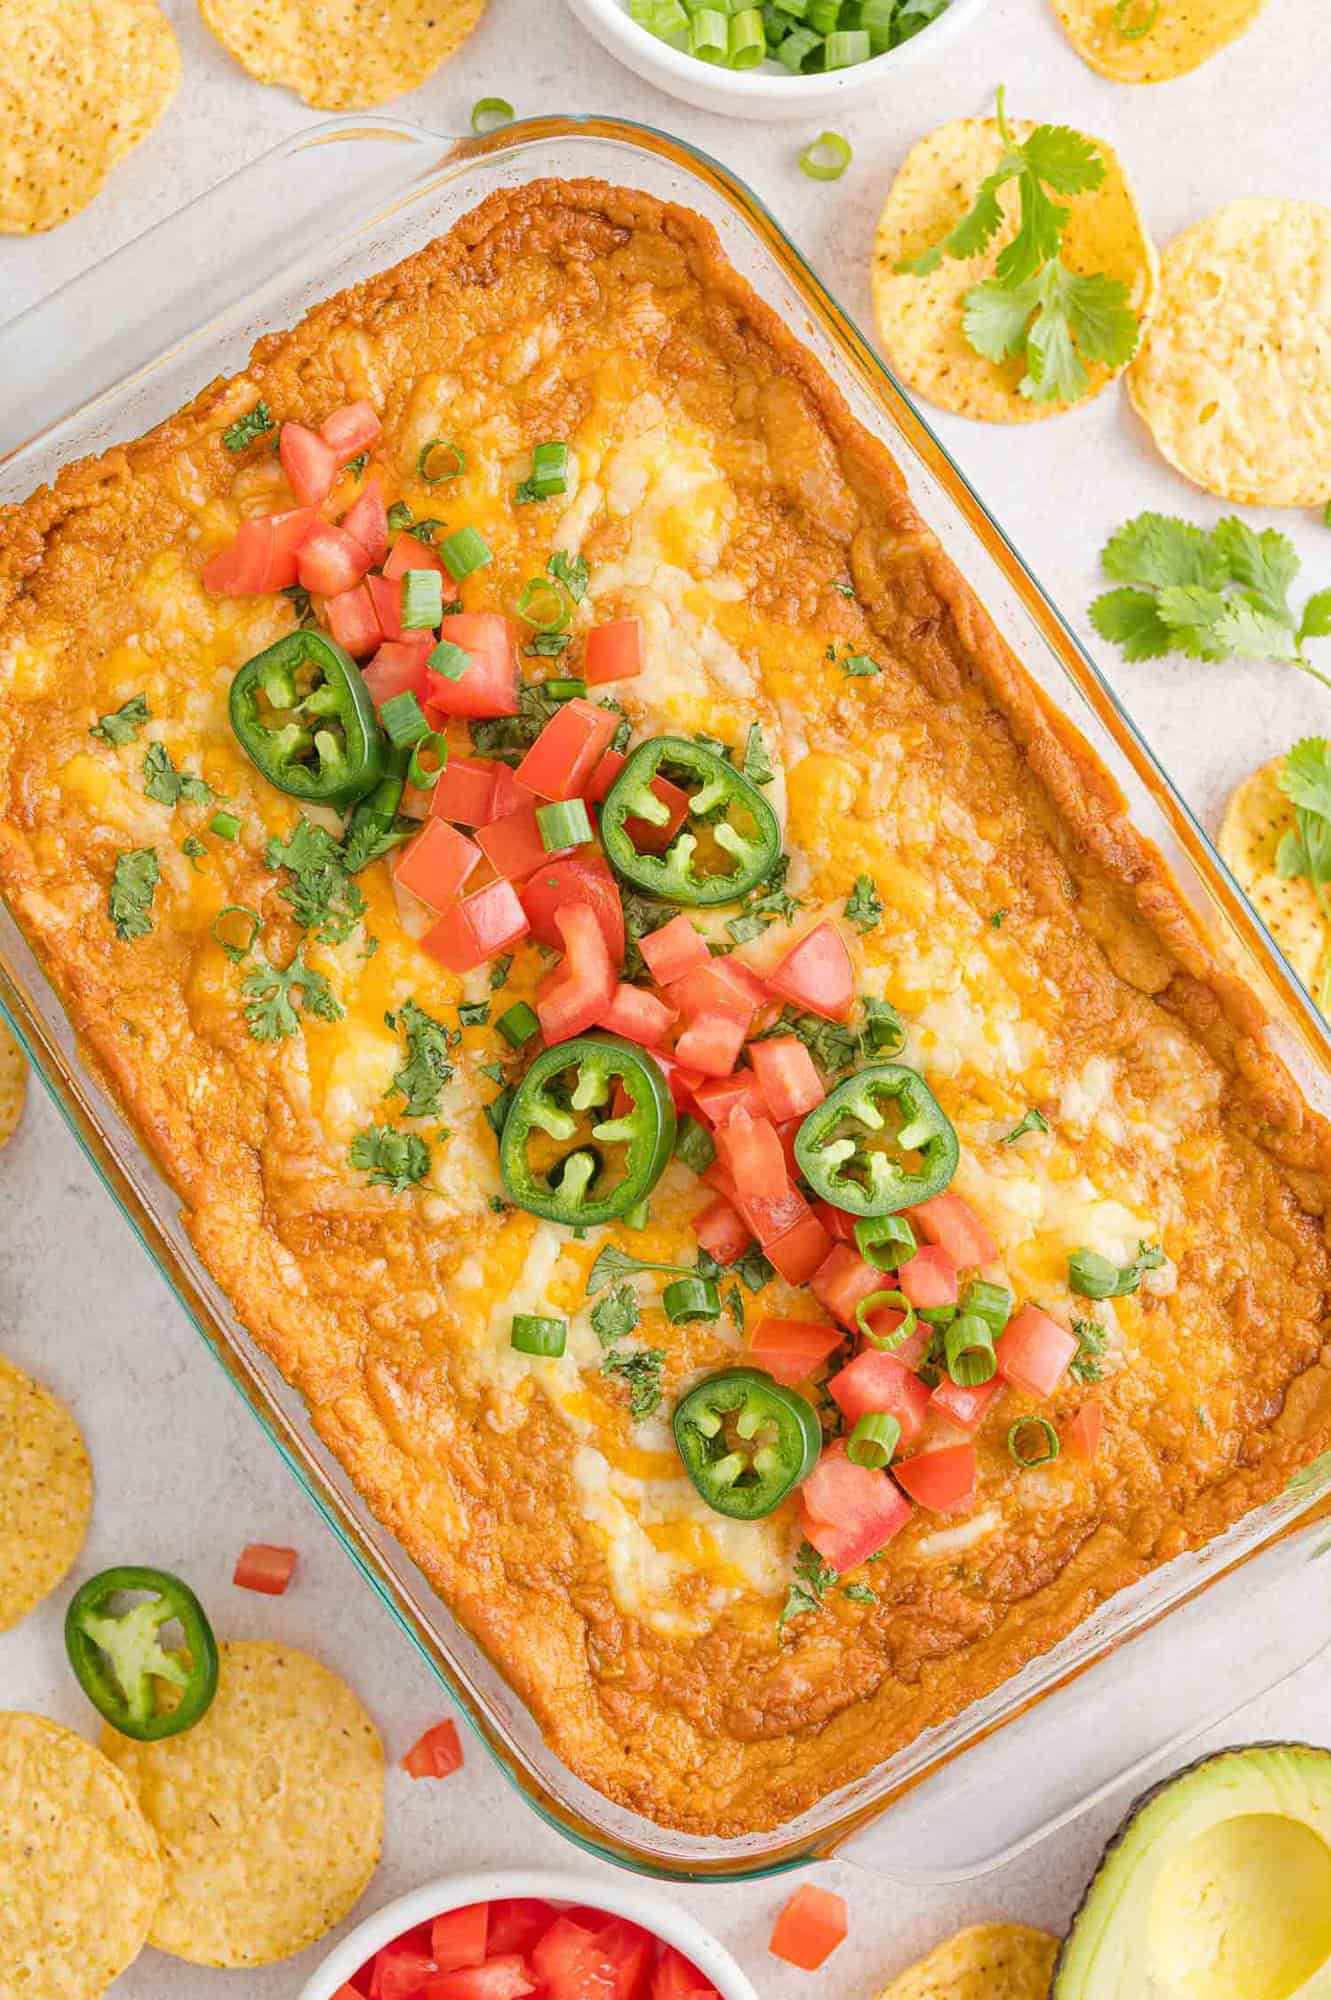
x: 120, y: 349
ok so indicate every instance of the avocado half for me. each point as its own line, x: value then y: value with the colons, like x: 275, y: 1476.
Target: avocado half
x: 1216, y: 1887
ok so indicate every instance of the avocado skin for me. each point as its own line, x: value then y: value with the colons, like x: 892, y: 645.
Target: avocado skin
x: 1057, y: 1990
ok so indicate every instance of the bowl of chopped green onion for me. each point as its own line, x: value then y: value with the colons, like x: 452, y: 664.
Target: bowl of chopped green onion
x: 785, y: 58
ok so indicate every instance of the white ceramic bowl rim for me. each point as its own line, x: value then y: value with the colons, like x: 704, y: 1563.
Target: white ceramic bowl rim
x: 619, y: 1895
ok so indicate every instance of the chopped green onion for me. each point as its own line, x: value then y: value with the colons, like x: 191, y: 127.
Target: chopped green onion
x: 798, y: 8
x: 877, y: 18
x: 1049, y: 1439
x: 826, y: 158
x: 564, y: 690
x: 234, y: 950
x: 404, y: 719
x: 490, y: 114
x: 422, y: 599
x: 968, y: 1346
x: 463, y: 551
x: 747, y: 40
x: 875, y: 1303
x: 846, y: 48
x: 796, y: 49
x: 1126, y: 27
x: 544, y: 605
x: 454, y: 465
x: 549, y: 470
x: 399, y: 517
x: 991, y: 1303
x: 433, y: 744
x: 449, y: 660
x: 885, y: 1241
x: 531, y: 1334
x: 225, y: 825
x: 694, y: 1145
x: 873, y: 1440
x: 563, y: 824
x: 662, y: 18
x: 518, y: 1023
x: 709, y: 35
x: 691, y: 1298
x: 938, y: 1317
x: 823, y: 15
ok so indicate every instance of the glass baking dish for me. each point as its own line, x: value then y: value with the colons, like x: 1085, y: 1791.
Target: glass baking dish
x: 121, y: 348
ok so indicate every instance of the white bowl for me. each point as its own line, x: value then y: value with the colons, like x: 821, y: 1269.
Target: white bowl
x: 760, y: 93
x: 619, y: 1895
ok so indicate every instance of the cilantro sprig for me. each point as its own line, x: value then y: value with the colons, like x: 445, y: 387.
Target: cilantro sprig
x: 391, y: 1158
x: 1218, y: 596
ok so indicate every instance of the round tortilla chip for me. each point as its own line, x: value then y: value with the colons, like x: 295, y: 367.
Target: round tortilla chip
x: 13, y: 1084
x: 920, y: 318
x: 45, y: 1493
x: 269, y: 1813
x: 81, y: 83
x: 1233, y: 378
x: 342, y: 55
x: 986, y: 1962
x: 79, y: 1874
x: 1183, y: 34
x: 1256, y: 818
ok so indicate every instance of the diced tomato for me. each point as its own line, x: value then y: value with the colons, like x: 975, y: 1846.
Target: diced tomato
x: 367, y: 520
x: 569, y: 1961
x: 952, y: 1223
x: 964, y: 1407
x: 809, y: 1928
x: 790, y: 1349
x: 675, y: 1979
x: 646, y: 835
x: 929, y: 1278
x: 848, y: 1511
x: 409, y: 552
x: 401, y: 1969
x: 839, y: 1225
x: 345, y: 1992
x: 677, y: 948
x: 490, y: 684
x: 817, y: 973
x: 436, y: 1754
x: 508, y: 793
x: 751, y: 1150
x: 309, y: 464
x: 682, y: 1080
x: 262, y: 558
x: 354, y: 622
x: 722, y: 1096
x: 939, y: 1480
x: 436, y: 864
x: 330, y: 560
x: 603, y: 777
x: 638, y: 1016
x: 397, y: 668
x: 785, y: 1069
x: 707, y: 990
x: 350, y: 430
x: 465, y: 791
x: 613, y: 652
x: 842, y: 1280
x: 629, y: 1950
x: 722, y: 1230
x: 459, y: 1936
x: 1034, y: 1352
x: 797, y: 1253
x: 786, y: 1131
x: 477, y: 928
x: 876, y: 1382
x: 769, y: 1217
x: 581, y: 878
x: 561, y: 761
x: 513, y: 845
x: 498, y: 1979
x: 516, y: 1922
x: 573, y: 997
x: 711, y: 1042
x: 1081, y: 1436
x: 265, y: 1568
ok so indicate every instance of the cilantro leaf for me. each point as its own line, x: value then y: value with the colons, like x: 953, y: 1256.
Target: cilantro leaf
x: 321, y: 893
x: 640, y: 1371
x: 1033, y: 1120
x: 1264, y: 565
x: 571, y: 571
x: 1092, y: 1340
x: 1067, y: 160
x: 615, y: 1316
x: 270, y: 992
x: 1130, y: 619
x: 371, y: 840
x: 1159, y: 549
x: 1316, y: 621
x: 613, y: 1263
x: 812, y: 1580
x: 168, y: 786
x: 1245, y: 631
x: 995, y: 316
x: 130, y: 896
x: 863, y: 909
x: 756, y: 766
x: 975, y: 231
x: 1096, y: 1277
x: 245, y: 430
x: 427, y: 1068
x: 392, y: 1159
x: 124, y: 723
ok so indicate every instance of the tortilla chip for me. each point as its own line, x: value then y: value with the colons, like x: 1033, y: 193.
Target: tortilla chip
x: 13, y: 1084
x: 79, y: 1874
x: 269, y: 1812
x: 45, y: 1493
x: 1234, y: 375
x: 987, y: 1962
x: 81, y: 83
x: 342, y: 55
x: 1182, y: 34
x: 920, y: 319
x: 1256, y: 817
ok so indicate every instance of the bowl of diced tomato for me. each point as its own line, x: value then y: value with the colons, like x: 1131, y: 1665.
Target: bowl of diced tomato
x: 529, y: 1935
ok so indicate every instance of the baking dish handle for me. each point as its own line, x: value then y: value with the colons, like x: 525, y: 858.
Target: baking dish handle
x: 1106, y: 1730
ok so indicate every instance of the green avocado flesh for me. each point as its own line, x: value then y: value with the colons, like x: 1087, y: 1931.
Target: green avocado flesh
x: 1217, y: 1887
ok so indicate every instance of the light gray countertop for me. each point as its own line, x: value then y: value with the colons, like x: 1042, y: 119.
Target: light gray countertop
x: 184, y: 1476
